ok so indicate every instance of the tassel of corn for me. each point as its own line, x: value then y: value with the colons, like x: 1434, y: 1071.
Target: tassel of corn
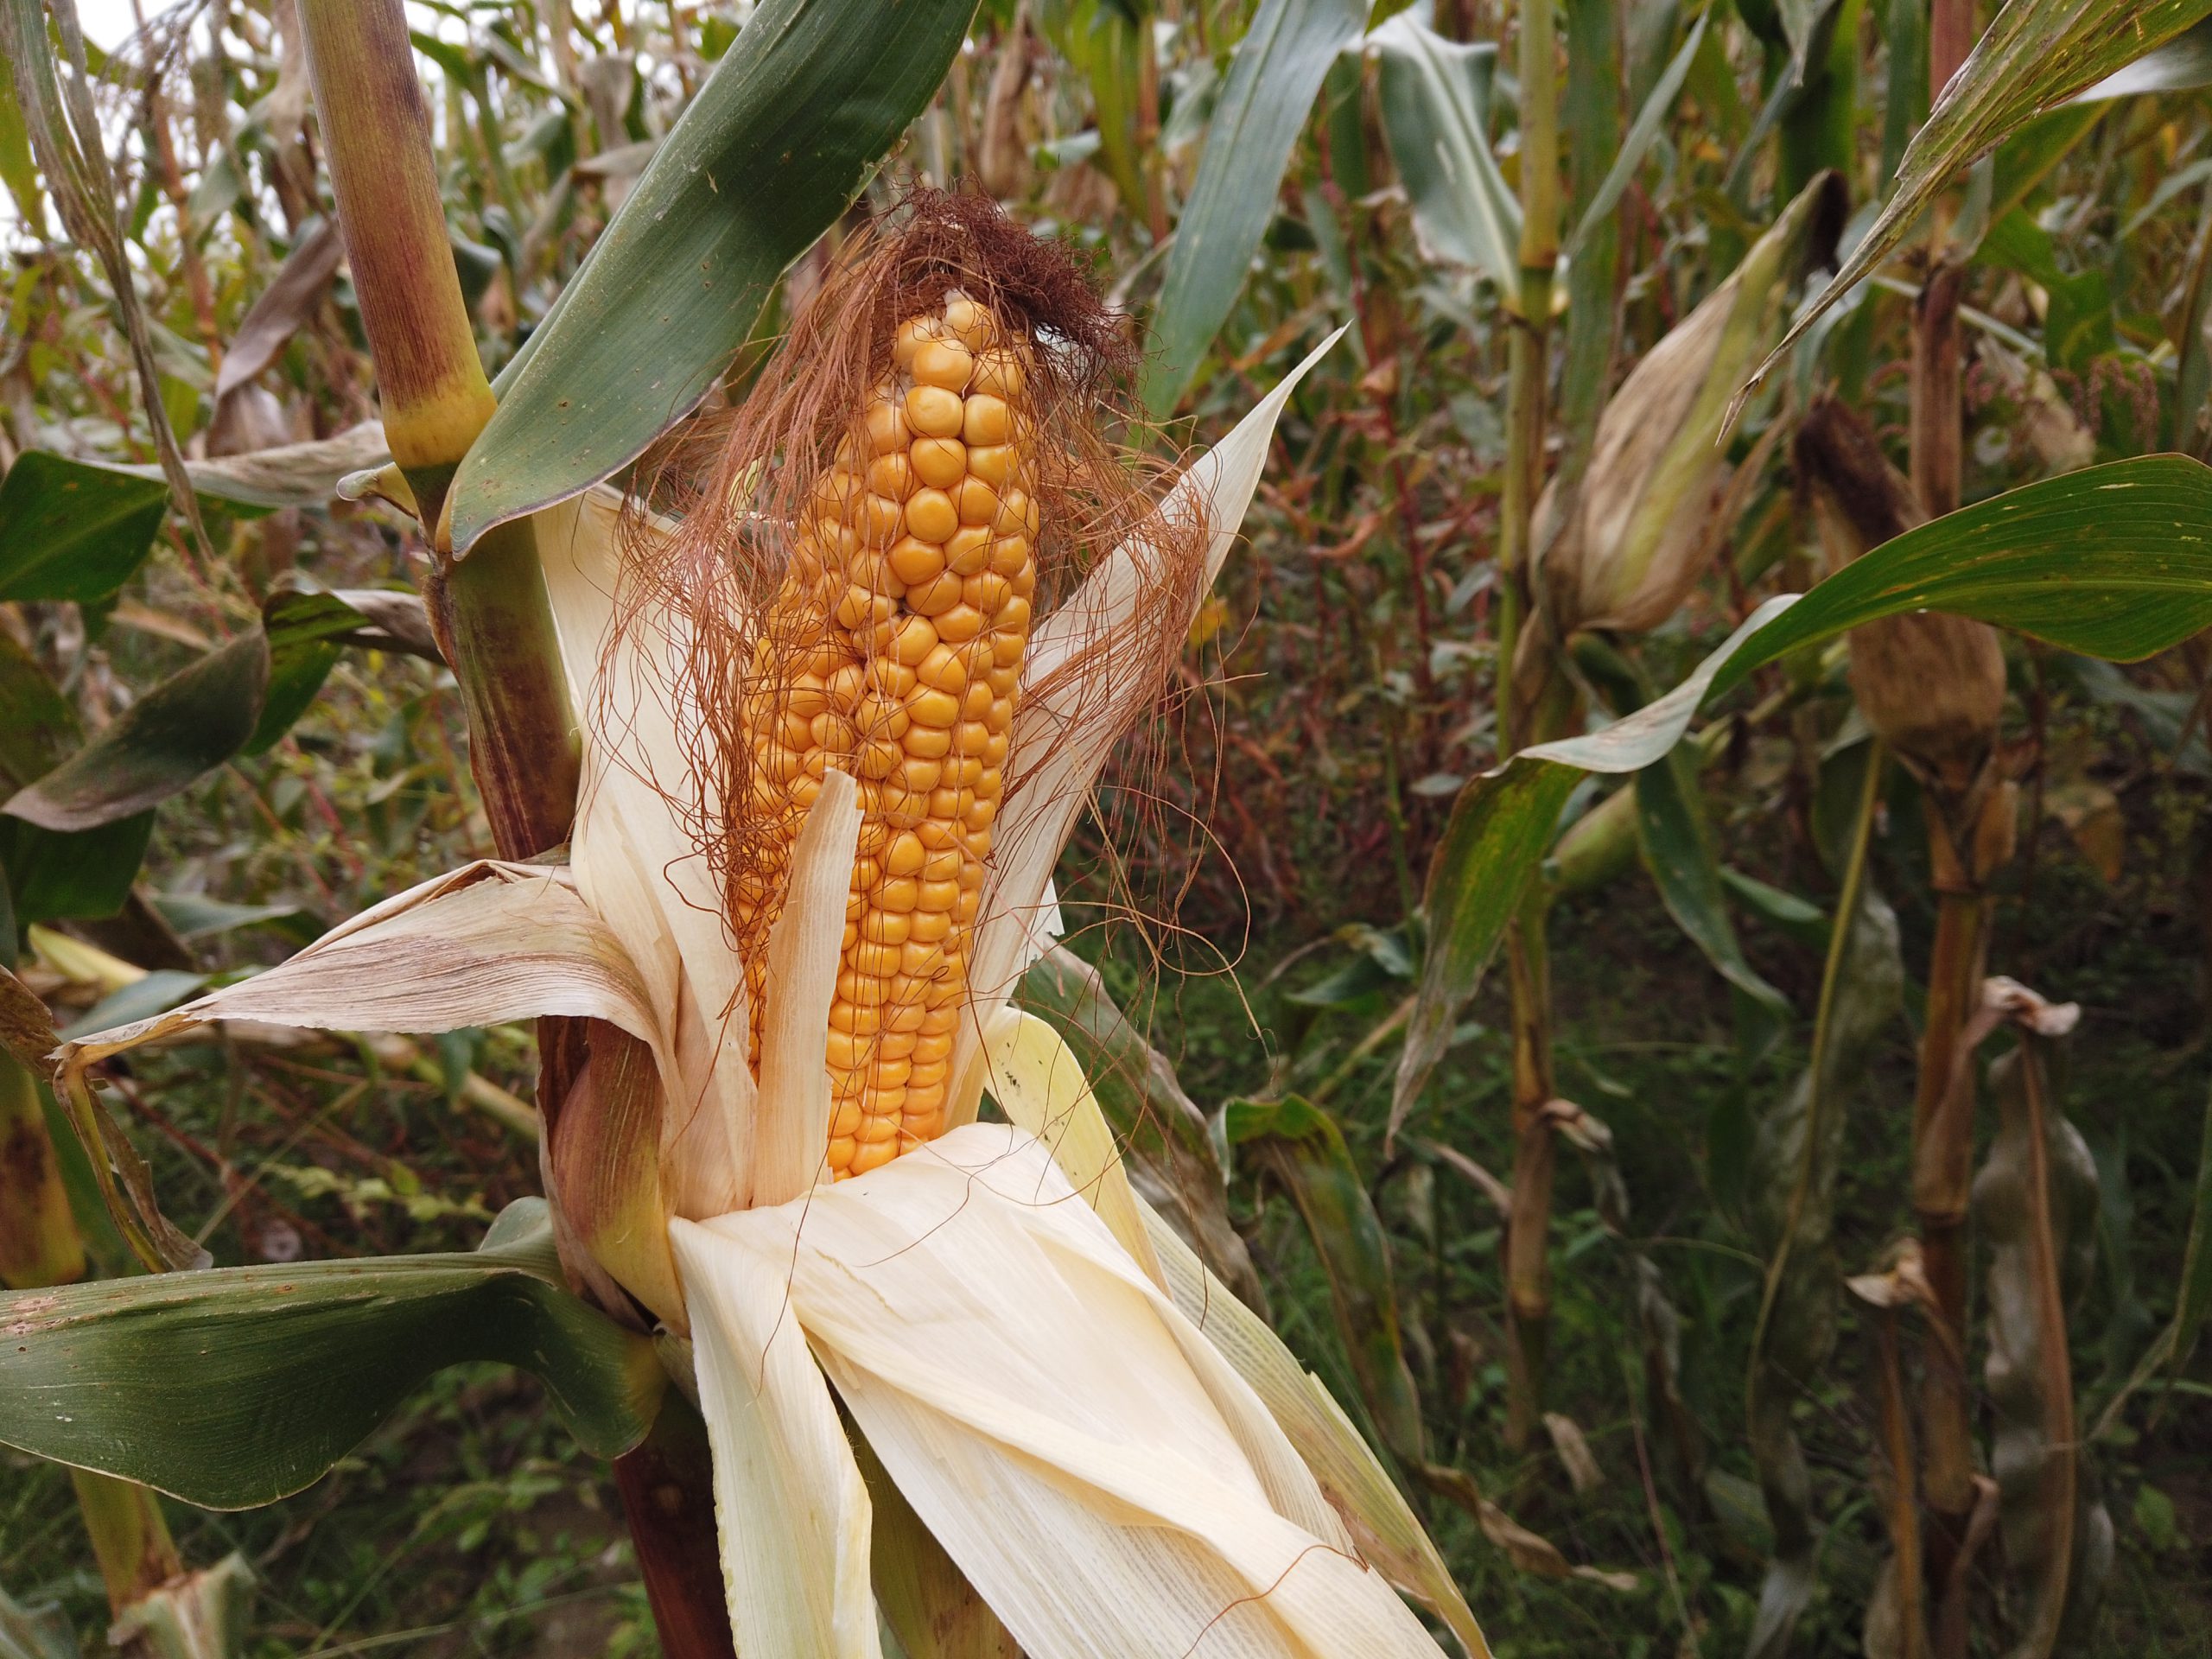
x: 900, y: 625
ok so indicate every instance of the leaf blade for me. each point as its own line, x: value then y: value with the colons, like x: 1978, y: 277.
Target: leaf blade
x: 779, y: 140
x: 237, y: 1386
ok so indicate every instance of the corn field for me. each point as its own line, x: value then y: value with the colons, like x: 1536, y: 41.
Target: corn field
x: 1256, y: 828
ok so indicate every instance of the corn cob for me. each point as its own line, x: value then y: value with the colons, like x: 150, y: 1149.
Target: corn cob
x: 894, y: 651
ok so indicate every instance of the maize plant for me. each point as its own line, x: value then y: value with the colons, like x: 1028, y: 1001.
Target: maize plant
x: 839, y: 707
x: 796, y: 591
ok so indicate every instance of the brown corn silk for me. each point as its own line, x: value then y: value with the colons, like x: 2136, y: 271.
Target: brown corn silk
x: 863, y: 553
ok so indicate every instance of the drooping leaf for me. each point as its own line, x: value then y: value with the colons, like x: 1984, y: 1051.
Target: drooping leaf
x: 2033, y: 57
x: 1303, y: 1147
x: 1435, y: 101
x: 779, y: 141
x: 2109, y: 561
x: 1277, y: 71
x: 69, y: 529
x: 236, y: 1386
x: 190, y: 723
x: 278, y: 311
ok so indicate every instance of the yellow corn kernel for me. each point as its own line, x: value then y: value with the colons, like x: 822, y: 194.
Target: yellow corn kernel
x: 933, y: 412
x: 945, y: 363
x: 941, y: 463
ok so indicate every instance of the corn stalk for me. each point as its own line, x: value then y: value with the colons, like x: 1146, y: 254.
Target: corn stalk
x: 1528, y: 1270
x: 495, y: 625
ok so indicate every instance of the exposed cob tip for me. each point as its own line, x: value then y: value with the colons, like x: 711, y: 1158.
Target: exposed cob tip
x: 883, y: 522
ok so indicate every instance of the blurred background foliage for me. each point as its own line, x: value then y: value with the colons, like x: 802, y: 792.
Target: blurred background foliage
x: 1342, y: 686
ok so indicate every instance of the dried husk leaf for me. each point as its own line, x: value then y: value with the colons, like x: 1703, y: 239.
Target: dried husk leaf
x: 1633, y: 545
x: 1931, y: 685
x: 1351, y: 1478
x: 2035, y: 1202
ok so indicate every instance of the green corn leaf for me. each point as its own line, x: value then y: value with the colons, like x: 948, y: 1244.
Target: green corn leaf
x: 1304, y: 1148
x: 37, y: 724
x: 2035, y: 56
x: 2181, y: 64
x: 1591, y: 112
x: 780, y: 139
x: 17, y: 169
x: 1435, y: 101
x: 303, y: 632
x: 1103, y: 40
x: 79, y: 876
x: 70, y: 529
x: 236, y: 1386
x: 1638, y: 145
x: 1263, y: 105
x: 2112, y: 562
x: 1685, y: 865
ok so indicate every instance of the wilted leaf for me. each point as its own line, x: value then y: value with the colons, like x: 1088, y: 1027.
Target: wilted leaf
x: 184, y: 727
x: 280, y: 309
